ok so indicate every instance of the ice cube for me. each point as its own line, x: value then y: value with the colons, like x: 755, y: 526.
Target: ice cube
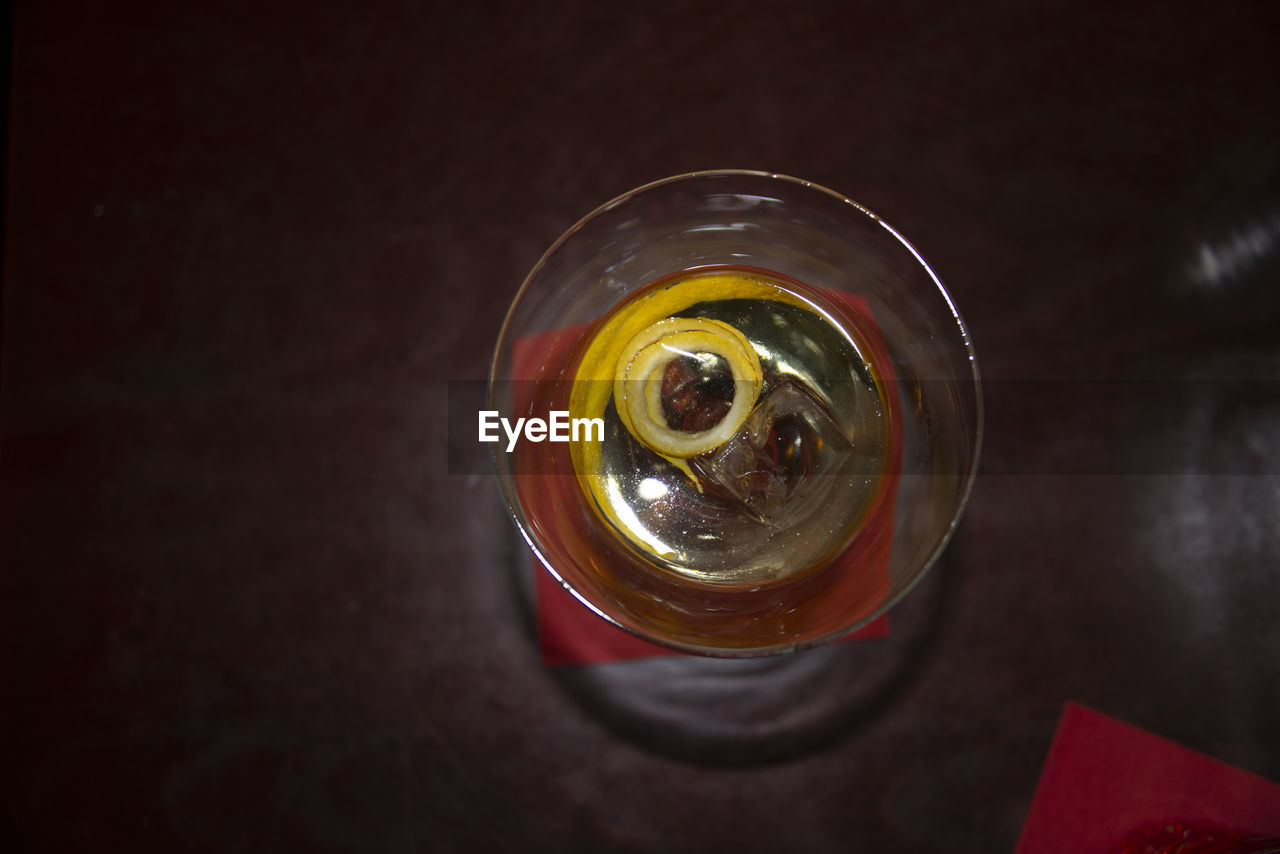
x: 776, y: 467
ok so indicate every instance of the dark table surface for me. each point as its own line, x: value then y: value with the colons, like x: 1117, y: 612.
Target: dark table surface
x: 245, y: 606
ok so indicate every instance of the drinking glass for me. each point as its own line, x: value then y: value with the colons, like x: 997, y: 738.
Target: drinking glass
x: 842, y: 254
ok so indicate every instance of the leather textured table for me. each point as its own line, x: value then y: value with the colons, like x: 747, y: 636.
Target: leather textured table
x: 245, y: 606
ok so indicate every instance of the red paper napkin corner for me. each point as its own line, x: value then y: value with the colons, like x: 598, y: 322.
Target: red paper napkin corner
x: 1103, y: 780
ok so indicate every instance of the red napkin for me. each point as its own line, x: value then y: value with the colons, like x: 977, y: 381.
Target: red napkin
x: 569, y: 633
x: 1104, y: 780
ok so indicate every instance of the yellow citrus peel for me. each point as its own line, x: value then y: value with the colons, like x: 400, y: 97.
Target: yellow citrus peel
x: 625, y: 358
x: 637, y: 385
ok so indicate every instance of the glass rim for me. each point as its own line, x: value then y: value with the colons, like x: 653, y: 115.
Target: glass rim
x: 966, y: 339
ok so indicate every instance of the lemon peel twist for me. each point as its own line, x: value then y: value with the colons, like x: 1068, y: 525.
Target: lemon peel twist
x: 595, y: 378
x: 637, y: 387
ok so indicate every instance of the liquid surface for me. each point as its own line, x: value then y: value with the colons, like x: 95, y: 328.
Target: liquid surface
x: 793, y: 469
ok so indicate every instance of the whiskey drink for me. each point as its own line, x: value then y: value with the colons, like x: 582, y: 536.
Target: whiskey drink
x: 790, y: 410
